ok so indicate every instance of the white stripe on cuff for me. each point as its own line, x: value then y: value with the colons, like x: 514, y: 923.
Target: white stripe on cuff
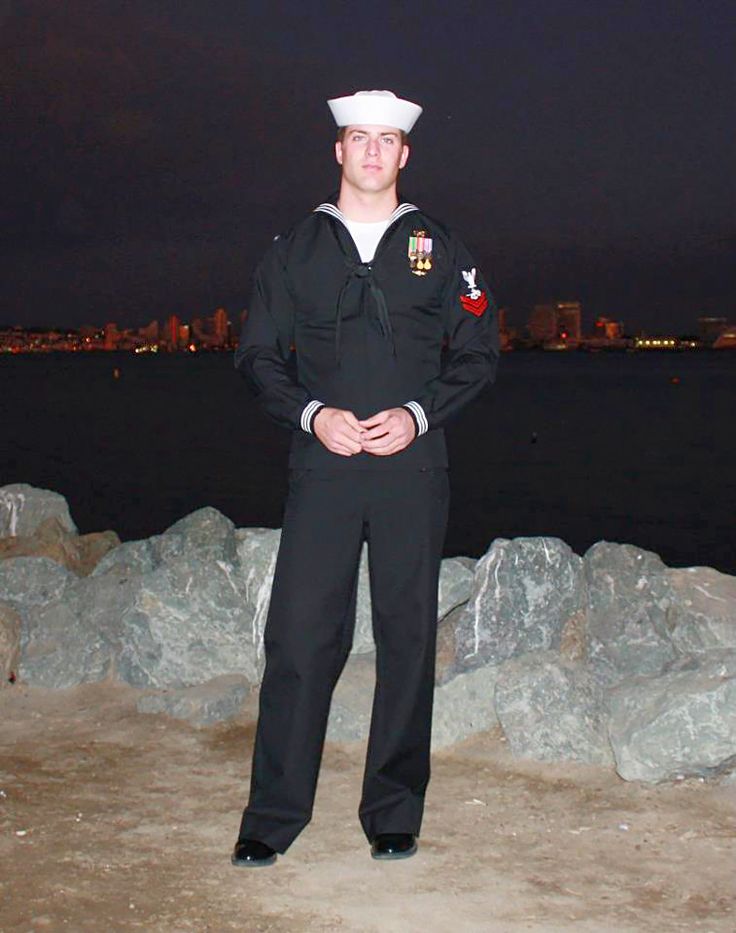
x: 420, y: 416
x: 309, y: 409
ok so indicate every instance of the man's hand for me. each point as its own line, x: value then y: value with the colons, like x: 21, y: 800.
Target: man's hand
x: 339, y: 431
x: 387, y: 432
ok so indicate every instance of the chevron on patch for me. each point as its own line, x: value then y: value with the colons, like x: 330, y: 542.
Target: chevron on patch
x: 477, y: 305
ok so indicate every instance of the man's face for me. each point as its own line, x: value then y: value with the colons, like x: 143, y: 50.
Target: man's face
x: 371, y: 157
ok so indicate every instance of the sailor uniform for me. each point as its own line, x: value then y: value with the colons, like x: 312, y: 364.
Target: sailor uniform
x: 326, y: 328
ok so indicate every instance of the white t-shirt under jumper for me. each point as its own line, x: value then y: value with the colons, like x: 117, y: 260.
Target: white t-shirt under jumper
x: 366, y: 235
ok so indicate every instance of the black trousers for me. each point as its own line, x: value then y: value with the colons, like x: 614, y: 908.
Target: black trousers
x: 403, y: 517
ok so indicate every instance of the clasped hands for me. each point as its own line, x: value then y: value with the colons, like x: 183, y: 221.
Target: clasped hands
x: 385, y: 433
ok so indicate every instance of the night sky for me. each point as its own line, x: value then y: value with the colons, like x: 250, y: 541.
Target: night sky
x: 151, y: 150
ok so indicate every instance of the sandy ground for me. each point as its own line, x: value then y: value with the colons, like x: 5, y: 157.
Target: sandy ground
x: 113, y: 820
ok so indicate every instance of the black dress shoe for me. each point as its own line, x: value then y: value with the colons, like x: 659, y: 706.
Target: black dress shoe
x: 249, y: 853
x: 394, y: 845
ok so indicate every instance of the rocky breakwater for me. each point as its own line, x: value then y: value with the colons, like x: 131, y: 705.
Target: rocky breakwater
x: 611, y: 658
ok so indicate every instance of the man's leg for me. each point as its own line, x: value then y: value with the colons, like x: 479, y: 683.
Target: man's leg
x: 406, y: 530
x: 307, y: 639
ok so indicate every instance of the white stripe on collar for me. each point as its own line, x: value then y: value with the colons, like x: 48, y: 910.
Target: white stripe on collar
x: 333, y: 211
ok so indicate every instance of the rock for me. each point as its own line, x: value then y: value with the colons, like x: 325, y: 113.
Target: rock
x: 76, y: 637
x: 29, y: 582
x: 24, y: 507
x: 78, y: 553
x: 574, y: 637
x: 9, y: 643
x: 679, y: 724
x: 551, y: 708
x: 456, y: 584
x: 205, y: 530
x: 702, y: 613
x: 188, y: 621
x: 218, y: 699
x: 447, y: 646
x: 524, y: 593
x: 257, y: 550
x: 170, y: 611
x: 206, y: 534
x: 352, y: 701
x: 464, y: 706
x: 628, y: 599
x: 131, y: 558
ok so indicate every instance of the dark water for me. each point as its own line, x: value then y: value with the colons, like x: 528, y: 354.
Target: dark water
x: 620, y: 452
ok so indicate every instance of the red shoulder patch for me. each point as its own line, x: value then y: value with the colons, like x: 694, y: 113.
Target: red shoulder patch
x: 477, y: 305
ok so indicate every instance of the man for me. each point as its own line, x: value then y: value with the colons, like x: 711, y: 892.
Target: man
x: 343, y: 344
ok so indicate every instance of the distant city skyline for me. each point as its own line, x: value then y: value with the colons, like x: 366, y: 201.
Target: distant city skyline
x: 152, y: 151
x: 552, y: 326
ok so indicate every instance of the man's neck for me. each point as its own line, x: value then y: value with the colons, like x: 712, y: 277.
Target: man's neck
x: 367, y: 207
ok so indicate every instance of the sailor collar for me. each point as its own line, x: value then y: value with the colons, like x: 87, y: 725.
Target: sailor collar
x: 327, y: 208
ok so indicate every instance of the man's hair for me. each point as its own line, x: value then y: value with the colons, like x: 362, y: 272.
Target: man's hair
x: 341, y: 130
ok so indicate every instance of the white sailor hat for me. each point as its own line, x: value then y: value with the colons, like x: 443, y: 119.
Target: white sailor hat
x: 383, y: 108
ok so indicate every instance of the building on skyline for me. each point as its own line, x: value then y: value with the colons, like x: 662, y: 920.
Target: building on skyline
x: 726, y: 340
x: 171, y: 332
x: 711, y: 328
x: 569, y: 321
x: 606, y: 329
x: 112, y: 336
x: 221, y: 327
x: 558, y: 322
x: 150, y: 333
x: 542, y: 324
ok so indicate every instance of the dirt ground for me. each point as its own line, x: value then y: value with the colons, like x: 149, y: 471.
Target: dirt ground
x: 114, y: 820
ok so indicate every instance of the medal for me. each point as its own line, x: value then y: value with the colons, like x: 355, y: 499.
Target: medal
x: 420, y: 252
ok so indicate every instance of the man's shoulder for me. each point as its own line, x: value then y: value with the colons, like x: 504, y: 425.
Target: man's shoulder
x: 303, y: 229
x: 283, y: 244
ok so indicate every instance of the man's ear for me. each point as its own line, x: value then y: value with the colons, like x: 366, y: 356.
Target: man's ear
x: 338, y: 152
x: 404, y: 156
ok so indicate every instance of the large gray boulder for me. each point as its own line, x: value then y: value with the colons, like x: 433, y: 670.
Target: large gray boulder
x: 457, y: 576
x: 29, y: 582
x: 74, y: 638
x: 702, y: 613
x: 464, y: 706
x: 130, y: 558
x: 525, y: 592
x: 551, y: 708
x: 629, y: 595
x: 188, y: 621
x: 681, y: 723
x: 205, y: 532
x: 170, y: 611
x: 24, y: 507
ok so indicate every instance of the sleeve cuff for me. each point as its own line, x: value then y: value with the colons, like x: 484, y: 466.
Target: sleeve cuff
x: 308, y: 415
x: 420, y: 419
